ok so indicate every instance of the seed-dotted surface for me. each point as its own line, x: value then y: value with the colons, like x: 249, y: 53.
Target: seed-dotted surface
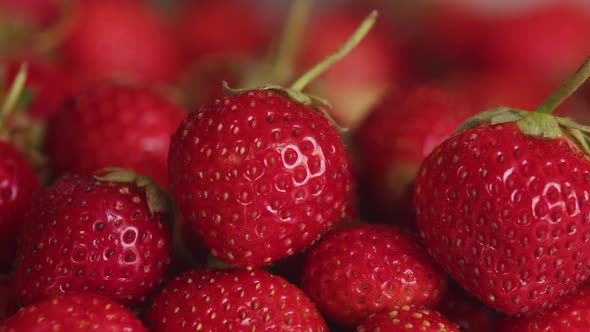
x: 259, y: 177
x: 75, y: 312
x: 407, y: 319
x: 210, y: 300
x: 83, y: 234
x: 362, y: 269
x: 507, y: 215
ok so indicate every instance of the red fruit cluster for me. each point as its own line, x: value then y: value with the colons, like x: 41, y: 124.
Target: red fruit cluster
x: 405, y: 175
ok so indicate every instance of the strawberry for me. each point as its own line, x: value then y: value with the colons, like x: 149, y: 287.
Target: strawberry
x: 361, y: 269
x: 204, y: 38
x: 48, y: 84
x: 120, y: 39
x: 547, y: 42
x: 468, y: 314
x: 572, y: 313
x: 503, y: 205
x: 76, y: 312
x: 103, y: 234
x: 8, y: 301
x: 259, y: 176
x: 18, y: 183
x: 262, y: 173
x: 408, y: 319
x: 391, y: 154
x: 358, y: 82
x: 228, y: 300
x: 113, y: 126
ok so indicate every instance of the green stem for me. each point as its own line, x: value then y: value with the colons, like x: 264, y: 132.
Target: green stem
x: 14, y: 92
x: 284, y: 63
x: 566, y: 89
x: 351, y: 43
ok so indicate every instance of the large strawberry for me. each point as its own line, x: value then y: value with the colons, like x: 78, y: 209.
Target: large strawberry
x: 113, y: 126
x: 120, y: 39
x: 408, y: 319
x: 105, y: 234
x: 391, y: 153
x: 76, y: 312
x: 361, y: 269
x: 572, y: 313
x: 503, y: 205
x: 18, y: 182
x: 211, y: 300
x: 260, y: 173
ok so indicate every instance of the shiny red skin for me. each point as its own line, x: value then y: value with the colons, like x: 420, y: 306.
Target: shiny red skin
x: 18, y: 185
x: 236, y: 300
x: 113, y: 126
x: 88, y: 235
x: 8, y: 300
x: 204, y: 38
x: 571, y: 314
x: 407, y: 319
x: 362, y: 269
x: 505, y: 214
x: 390, y: 153
x: 49, y: 85
x: 547, y: 42
x: 77, y: 312
x: 468, y: 314
x: 121, y: 40
x: 259, y: 177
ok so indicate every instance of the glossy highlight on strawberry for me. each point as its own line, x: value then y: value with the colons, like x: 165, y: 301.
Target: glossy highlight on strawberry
x: 259, y: 176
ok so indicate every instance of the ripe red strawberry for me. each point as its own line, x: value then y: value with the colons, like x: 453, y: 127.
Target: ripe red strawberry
x: 8, y: 300
x: 77, y: 312
x: 48, y: 85
x: 259, y: 176
x: 391, y: 153
x: 113, y: 126
x: 362, y: 269
x: 232, y: 300
x: 572, y: 313
x: 359, y: 81
x: 18, y: 183
x: 94, y: 234
x: 120, y: 39
x: 503, y: 204
x: 204, y: 38
x: 408, y: 319
x: 468, y: 314
x: 547, y: 42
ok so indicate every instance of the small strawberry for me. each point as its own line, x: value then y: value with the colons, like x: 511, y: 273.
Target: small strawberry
x: 232, y: 300
x: 391, y: 153
x: 18, y: 181
x: 8, y: 300
x: 572, y: 313
x: 120, y: 39
x: 113, y: 126
x: 503, y: 205
x: 361, y: 269
x: 261, y: 174
x: 408, y: 319
x: 104, y: 234
x: 76, y: 312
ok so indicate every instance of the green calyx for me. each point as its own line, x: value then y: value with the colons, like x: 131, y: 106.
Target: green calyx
x: 294, y: 92
x: 10, y: 99
x: 541, y: 123
x: 156, y: 197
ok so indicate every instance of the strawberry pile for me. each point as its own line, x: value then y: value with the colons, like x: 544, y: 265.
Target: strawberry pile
x: 178, y: 166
